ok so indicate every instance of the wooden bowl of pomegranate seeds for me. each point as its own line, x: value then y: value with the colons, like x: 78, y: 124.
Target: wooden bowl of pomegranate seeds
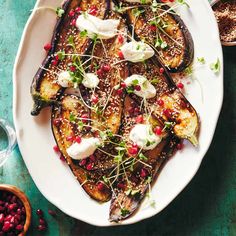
x: 15, y: 211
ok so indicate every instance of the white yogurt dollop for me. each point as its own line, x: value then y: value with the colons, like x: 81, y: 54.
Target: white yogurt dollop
x: 143, y: 136
x: 87, y: 147
x: 64, y: 79
x: 103, y: 29
x: 136, y: 51
x: 90, y: 80
x: 147, y: 89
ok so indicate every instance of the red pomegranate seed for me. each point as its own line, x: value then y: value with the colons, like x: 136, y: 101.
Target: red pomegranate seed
x: 71, y: 13
x: 8, y: 218
x: 19, y: 227
x: 42, y: 221
x: 100, y: 186
x: 106, y: 68
x: 143, y: 173
x: 137, y: 87
x: 73, y: 22
x: 6, y: 226
x: 119, y: 91
x: 100, y: 73
x: 78, y: 139
x: 139, y: 119
x: 89, y: 166
x: 153, y: 28
x: 121, y: 55
x: 72, y: 68
x: 94, y: 99
x: 84, y: 118
x: 167, y: 112
x: 62, y: 158
x: 83, y: 162
x: 1, y: 218
x: 93, y: 10
x: 183, y: 104
x: 160, y: 102
x: 57, y: 122
x: 70, y: 138
x: 54, y: 62
x: 133, y: 150
x: 120, y: 39
x: 136, y: 110
x: 158, y: 130
x: 56, y: 148
x: 56, y: 57
x: 123, y: 84
x: 47, y: 46
x: 39, y: 212
x: 131, y: 110
x: 78, y: 9
x: 121, y: 185
x: 41, y: 228
x: 180, y: 146
x: 161, y: 70
x: 180, y: 85
x: 51, y: 212
x: 12, y: 206
x: 92, y: 158
x: 13, y: 199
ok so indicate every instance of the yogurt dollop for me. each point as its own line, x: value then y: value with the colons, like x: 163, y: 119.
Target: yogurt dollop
x: 64, y: 79
x: 85, y: 148
x: 90, y: 80
x: 147, y: 89
x: 143, y: 136
x: 136, y: 51
x: 103, y: 29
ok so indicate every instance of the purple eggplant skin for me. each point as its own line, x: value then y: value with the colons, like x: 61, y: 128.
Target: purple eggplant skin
x: 188, y: 53
x: 40, y: 101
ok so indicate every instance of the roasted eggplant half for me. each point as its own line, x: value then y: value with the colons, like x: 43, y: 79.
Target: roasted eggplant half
x: 64, y: 126
x: 159, y: 26
x: 67, y: 43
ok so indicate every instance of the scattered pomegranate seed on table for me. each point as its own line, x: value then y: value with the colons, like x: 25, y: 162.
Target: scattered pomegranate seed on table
x: 47, y: 46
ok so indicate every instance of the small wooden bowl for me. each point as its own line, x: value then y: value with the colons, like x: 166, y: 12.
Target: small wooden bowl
x: 18, y: 193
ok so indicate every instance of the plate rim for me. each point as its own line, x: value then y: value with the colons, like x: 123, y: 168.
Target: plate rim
x: 149, y: 215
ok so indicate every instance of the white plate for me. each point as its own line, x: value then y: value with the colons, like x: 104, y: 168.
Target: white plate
x: 35, y: 139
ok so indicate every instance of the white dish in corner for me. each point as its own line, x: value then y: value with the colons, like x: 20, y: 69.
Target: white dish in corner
x: 35, y: 139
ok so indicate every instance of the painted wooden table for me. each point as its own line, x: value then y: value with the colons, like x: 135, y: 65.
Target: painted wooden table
x: 206, y: 207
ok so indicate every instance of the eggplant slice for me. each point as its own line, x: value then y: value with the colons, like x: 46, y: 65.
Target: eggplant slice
x: 44, y: 89
x: 165, y: 31
x: 62, y: 127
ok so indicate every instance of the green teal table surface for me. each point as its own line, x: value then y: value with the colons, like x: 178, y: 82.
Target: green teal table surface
x: 207, y: 206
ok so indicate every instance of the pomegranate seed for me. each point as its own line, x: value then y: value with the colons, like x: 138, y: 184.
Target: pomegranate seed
x: 51, y: 212
x: 89, y: 166
x: 161, y: 70
x: 70, y: 138
x: 78, y: 139
x: 100, y: 73
x: 119, y: 91
x: 42, y: 221
x: 183, y: 104
x: 180, y: 146
x: 84, y: 118
x: 106, y: 68
x: 78, y: 9
x: 100, y: 186
x: 8, y: 218
x: 121, y: 185
x: 47, y: 46
x: 83, y: 162
x: 39, y: 212
x: 56, y: 57
x: 1, y: 218
x: 92, y: 158
x: 160, y: 102
x: 143, y: 173
x: 41, y: 228
x: 13, y: 199
x: 121, y: 55
x: 94, y: 99
x: 72, y: 68
x: 180, y: 85
x: 139, y: 119
x: 71, y: 13
x: 12, y: 206
x: 54, y: 62
x: 1, y: 203
x: 153, y: 27
x: 120, y: 39
x: 131, y: 110
x: 93, y: 10
x: 123, y: 84
x: 57, y: 122
x: 133, y: 150
x: 56, y: 149
x: 167, y: 112
x: 158, y: 130
x: 137, y: 87
x: 62, y: 158
x: 19, y: 227
x: 6, y: 226
x: 136, y: 110
x: 2, y: 208
x: 23, y: 210
x: 73, y: 22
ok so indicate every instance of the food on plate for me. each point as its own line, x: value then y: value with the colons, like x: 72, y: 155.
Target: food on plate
x: 117, y: 115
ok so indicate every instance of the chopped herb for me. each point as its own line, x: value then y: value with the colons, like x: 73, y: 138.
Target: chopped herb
x: 83, y: 33
x: 105, y: 179
x: 201, y: 60
x: 215, y: 66
x: 137, y: 12
x: 189, y: 70
x: 61, y: 55
x: 168, y: 125
x: 128, y: 192
x: 118, y: 158
x: 183, y: 2
x: 134, y: 192
x: 72, y: 117
x: 149, y: 180
x: 130, y: 89
x: 59, y: 11
x: 155, y: 81
x: 141, y: 156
